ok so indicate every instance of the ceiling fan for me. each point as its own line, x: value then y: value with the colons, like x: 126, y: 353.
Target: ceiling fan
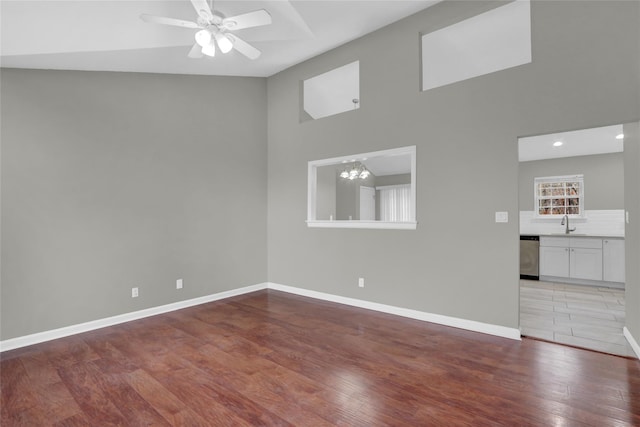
x: 215, y: 29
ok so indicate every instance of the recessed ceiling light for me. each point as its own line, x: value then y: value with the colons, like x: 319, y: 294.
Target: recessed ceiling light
x: 620, y: 136
x: 558, y: 143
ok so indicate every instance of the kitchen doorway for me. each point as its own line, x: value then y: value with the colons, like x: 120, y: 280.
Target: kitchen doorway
x: 571, y: 198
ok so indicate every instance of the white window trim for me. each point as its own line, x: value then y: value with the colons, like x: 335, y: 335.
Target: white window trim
x: 563, y: 178
x: 411, y: 225
x: 312, y: 177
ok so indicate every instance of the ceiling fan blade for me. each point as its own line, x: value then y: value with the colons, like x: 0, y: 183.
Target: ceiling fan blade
x: 168, y: 21
x: 243, y: 47
x: 256, y: 18
x: 202, y: 9
x: 196, y: 52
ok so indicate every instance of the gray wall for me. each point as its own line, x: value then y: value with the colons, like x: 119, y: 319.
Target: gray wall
x: 632, y: 229
x: 404, y: 178
x: 115, y: 180
x: 603, y: 179
x: 326, y: 192
x: 458, y: 262
x: 348, y: 196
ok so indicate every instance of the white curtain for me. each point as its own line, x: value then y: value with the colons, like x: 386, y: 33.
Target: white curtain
x: 395, y: 203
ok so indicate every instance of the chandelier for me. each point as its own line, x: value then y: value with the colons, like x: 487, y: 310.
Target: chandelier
x: 357, y: 170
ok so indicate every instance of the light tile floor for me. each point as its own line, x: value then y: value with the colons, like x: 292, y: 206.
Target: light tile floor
x: 583, y: 316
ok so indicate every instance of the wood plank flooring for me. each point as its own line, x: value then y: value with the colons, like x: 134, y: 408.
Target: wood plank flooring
x: 584, y: 316
x: 275, y: 359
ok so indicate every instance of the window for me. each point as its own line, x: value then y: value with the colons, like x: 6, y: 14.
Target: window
x: 395, y: 203
x: 333, y: 92
x: 559, y: 195
x: 489, y: 42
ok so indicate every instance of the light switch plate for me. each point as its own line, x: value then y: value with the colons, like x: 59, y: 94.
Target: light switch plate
x: 502, y: 216
x: 627, y: 216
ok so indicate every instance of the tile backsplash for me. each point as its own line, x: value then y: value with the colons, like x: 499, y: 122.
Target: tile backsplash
x: 596, y: 223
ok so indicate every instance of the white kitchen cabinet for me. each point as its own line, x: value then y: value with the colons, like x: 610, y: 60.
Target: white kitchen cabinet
x: 554, y: 261
x: 560, y: 242
x: 585, y: 263
x: 613, y: 260
x: 578, y: 258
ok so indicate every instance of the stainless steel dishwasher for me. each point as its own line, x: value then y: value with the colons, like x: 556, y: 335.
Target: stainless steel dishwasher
x: 529, y: 254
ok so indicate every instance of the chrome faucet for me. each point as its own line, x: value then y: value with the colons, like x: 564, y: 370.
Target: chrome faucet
x: 565, y: 222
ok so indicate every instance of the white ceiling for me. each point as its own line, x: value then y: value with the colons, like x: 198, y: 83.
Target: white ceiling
x: 389, y: 165
x: 109, y: 36
x: 576, y: 143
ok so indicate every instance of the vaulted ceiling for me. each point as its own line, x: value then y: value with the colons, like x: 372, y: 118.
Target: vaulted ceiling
x: 110, y: 36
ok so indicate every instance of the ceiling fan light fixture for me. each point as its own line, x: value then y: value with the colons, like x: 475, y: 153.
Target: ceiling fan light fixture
x: 211, y: 29
x: 203, y: 38
x: 224, y: 43
x: 210, y: 49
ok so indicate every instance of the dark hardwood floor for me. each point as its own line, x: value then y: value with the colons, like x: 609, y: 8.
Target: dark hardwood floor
x: 271, y: 358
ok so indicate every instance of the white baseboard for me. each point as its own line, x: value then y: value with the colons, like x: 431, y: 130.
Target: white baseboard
x: 471, y: 325
x: 632, y: 342
x: 53, y: 334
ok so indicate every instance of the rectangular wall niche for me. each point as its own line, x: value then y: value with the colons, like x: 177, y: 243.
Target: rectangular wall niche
x: 366, y: 190
x: 489, y: 42
x: 333, y: 92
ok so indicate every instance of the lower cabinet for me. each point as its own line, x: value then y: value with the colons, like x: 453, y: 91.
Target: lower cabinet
x: 585, y: 263
x: 554, y: 261
x: 613, y: 260
x: 582, y: 258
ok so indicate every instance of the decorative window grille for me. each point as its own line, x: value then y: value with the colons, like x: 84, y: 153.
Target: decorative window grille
x: 556, y: 196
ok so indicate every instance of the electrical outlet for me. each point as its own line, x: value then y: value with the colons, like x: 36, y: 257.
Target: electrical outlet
x: 134, y: 292
x: 361, y: 282
x: 179, y: 284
